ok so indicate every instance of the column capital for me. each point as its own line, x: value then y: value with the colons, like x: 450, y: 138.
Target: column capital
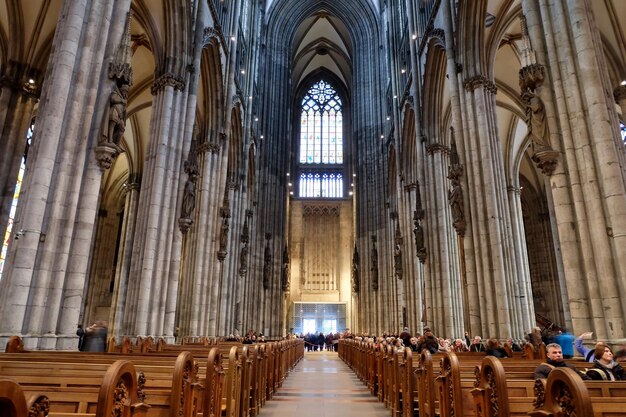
x: 472, y: 83
x: 167, y: 80
x: 435, y: 148
x: 212, y: 147
x: 514, y: 189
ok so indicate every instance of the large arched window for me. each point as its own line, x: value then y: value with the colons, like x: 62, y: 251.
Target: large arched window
x: 321, y: 143
x: 16, y: 195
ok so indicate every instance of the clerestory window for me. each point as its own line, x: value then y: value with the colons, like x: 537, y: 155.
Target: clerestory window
x: 16, y: 195
x: 321, y: 143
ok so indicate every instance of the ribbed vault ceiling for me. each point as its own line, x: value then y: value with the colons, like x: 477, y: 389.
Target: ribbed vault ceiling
x: 322, y: 41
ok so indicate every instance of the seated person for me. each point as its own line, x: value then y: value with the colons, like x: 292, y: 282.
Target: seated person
x: 587, y: 353
x: 514, y: 346
x: 477, y: 345
x: 605, y: 368
x: 494, y: 348
x: 429, y: 342
x: 459, y: 346
x: 555, y: 360
x: 413, y: 344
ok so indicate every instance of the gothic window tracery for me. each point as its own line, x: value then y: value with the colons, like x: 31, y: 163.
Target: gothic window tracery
x: 321, y: 143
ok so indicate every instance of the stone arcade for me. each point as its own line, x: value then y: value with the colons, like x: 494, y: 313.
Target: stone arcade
x: 213, y: 166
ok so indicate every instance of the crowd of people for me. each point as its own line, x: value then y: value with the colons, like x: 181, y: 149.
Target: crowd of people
x: 314, y: 342
x: 559, y: 345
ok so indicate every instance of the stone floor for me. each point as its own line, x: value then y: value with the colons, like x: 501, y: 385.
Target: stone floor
x: 322, y: 385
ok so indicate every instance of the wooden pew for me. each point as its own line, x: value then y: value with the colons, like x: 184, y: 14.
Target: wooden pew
x: 171, y: 384
x: 495, y: 396
x: 567, y: 394
x: 117, y: 392
x: 12, y: 399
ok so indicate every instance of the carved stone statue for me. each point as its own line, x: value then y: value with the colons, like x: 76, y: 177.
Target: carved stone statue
x: 267, y: 265
x: 355, y: 271
x: 285, y: 281
x: 374, y: 261
x: 397, y: 254
x: 418, y: 231
x: 224, y: 234
x: 455, y: 198
x: 117, y: 113
x: 536, y: 122
x: 189, y: 199
x: 243, y: 260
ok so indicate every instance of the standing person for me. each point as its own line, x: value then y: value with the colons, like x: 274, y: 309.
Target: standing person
x: 554, y: 354
x: 605, y: 368
x: 81, y: 337
x: 96, y: 337
x: 566, y: 340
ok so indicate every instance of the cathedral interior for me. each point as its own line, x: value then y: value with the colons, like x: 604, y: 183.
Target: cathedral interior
x: 207, y: 167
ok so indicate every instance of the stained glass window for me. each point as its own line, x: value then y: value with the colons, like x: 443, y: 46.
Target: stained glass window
x: 16, y: 195
x: 622, y: 128
x: 321, y: 130
x: 321, y: 185
x: 321, y: 141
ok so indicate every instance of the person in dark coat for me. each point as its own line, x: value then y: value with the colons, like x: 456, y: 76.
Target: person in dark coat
x: 555, y: 360
x: 81, y: 337
x: 477, y: 345
x: 96, y: 338
x: 605, y: 368
x: 494, y: 348
x: 429, y: 342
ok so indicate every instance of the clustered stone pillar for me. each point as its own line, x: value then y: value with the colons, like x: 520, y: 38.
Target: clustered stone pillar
x: 152, y: 294
x: 42, y: 289
x: 124, y: 254
x: 589, y: 197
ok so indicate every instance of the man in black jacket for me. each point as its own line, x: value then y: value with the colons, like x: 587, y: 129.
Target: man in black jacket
x: 555, y: 360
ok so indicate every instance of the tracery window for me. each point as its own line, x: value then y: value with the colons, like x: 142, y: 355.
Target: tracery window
x: 321, y: 143
x: 16, y: 195
x: 324, y: 185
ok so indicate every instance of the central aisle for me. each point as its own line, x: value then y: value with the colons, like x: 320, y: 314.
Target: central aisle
x: 322, y: 385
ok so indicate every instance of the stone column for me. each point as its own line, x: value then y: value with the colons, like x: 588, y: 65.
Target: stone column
x: 45, y: 276
x: 124, y: 256
x: 198, y: 313
x: 588, y: 188
x: 494, y: 259
x: 446, y: 299
x: 522, y: 288
x: 151, y: 297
